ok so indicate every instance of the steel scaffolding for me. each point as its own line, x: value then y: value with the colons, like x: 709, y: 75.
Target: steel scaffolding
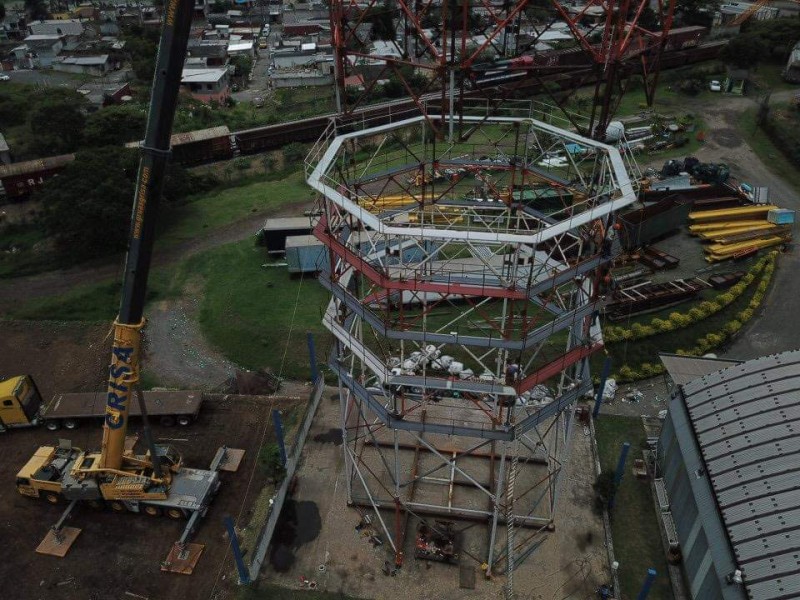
x: 464, y: 286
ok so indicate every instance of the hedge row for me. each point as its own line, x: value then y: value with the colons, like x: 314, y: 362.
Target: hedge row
x: 676, y: 320
x: 710, y: 341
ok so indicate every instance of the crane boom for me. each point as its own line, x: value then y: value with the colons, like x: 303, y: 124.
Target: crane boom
x: 125, y: 352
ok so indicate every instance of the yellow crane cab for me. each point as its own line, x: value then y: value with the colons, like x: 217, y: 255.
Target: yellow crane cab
x: 20, y: 403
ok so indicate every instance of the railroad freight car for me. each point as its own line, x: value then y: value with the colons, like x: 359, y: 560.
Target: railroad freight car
x: 202, y: 146
x: 199, y: 147
x: 19, y: 180
x: 682, y: 38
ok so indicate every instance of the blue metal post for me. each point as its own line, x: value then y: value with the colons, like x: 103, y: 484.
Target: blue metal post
x: 623, y: 455
x: 244, y: 575
x: 278, y: 424
x: 599, y: 399
x: 648, y: 583
x: 312, y: 355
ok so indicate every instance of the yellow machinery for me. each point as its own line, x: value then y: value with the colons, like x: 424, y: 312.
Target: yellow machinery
x: 20, y: 402
x: 154, y: 482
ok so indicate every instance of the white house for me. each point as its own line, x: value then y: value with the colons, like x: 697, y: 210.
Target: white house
x: 45, y: 48
x: 68, y: 27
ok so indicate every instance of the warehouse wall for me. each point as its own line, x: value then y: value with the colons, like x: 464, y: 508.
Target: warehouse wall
x: 707, y: 556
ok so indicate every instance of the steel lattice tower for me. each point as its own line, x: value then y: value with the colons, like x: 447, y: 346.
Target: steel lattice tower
x: 464, y: 282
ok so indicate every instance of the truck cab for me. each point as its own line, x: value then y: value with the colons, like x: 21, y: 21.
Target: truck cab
x: 20, y: 403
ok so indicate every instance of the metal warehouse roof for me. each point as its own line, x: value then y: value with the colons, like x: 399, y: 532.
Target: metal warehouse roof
x: 747, y: 424
x: 683, y: 369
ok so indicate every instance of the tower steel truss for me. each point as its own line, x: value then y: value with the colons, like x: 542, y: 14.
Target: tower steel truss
x: 465, y: 291
x: 446, y: 53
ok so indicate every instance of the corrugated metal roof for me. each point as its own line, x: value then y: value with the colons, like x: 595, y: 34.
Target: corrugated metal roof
x: 287, y: 223
x: 302, y: 241
x: 683, y: 369
x: 32, y: 166
x: 746, y: 419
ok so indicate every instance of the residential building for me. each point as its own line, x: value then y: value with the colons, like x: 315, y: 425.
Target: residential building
x: 206, y: 85
x: 44, y: 48
x: 96, y: 66
x: 65, y: 27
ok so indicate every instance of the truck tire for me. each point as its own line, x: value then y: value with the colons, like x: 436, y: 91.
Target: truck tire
x: 98, y: 504
x: 167, y: 421
x: 184, y: 420
x: 175, y: 514
x: 52, y: 498
x: 152, y: 511
x: 71, y: 423
x: 117, y: 506
x: 52, y: 425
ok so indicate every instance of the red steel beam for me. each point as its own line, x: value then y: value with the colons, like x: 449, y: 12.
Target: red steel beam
x: 416, y: 285
x: 555, y: 367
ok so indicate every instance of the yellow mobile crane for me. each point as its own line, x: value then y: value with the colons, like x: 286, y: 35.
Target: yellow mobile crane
x: 155, y: 482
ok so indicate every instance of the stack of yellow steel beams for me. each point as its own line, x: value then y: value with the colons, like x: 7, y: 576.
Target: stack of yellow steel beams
x: 737, y: 231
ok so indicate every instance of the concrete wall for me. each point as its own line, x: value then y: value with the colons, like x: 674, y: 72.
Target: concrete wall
x: 94, y: 70
x: 289, y: 81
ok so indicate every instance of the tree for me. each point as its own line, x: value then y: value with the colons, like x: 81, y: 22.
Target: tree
x: 142, y: 46
x: 57, y: 125
x: 382, y: 21
x: 744, y: 51
x: 242, y: 64
x: 36, y: 10
x: 114, y: 126
x: 2, y: 11
x: 87, y: 208
x: 696, y: 12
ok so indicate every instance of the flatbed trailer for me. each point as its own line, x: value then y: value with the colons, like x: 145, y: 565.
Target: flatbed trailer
x: 170, y: 408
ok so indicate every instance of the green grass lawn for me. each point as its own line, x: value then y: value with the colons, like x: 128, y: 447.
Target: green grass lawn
x: 634, y: 527
x: 221, y: 207
x: 762, y: 146
x: 255, y: 315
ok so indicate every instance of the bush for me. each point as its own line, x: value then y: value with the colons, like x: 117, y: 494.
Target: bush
x: 241, y: 163
x: 270, y: 460
x: 294, y: 153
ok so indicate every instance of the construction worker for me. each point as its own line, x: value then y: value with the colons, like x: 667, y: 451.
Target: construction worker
x: 597, y: 234
x: 608, y: 242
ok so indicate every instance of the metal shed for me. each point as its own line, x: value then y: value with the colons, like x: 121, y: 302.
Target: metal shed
x: 729, y: 454
x: 275, y: 231
x: 305, y: 254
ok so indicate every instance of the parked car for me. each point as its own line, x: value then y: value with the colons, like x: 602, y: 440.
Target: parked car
x: 4, y: 77
x: 715, y: 86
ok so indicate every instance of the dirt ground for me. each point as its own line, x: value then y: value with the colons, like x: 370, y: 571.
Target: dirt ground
x: 115, y: 554
x: 176, y: 351
x: 61, y: 357
x: 570, y: 563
